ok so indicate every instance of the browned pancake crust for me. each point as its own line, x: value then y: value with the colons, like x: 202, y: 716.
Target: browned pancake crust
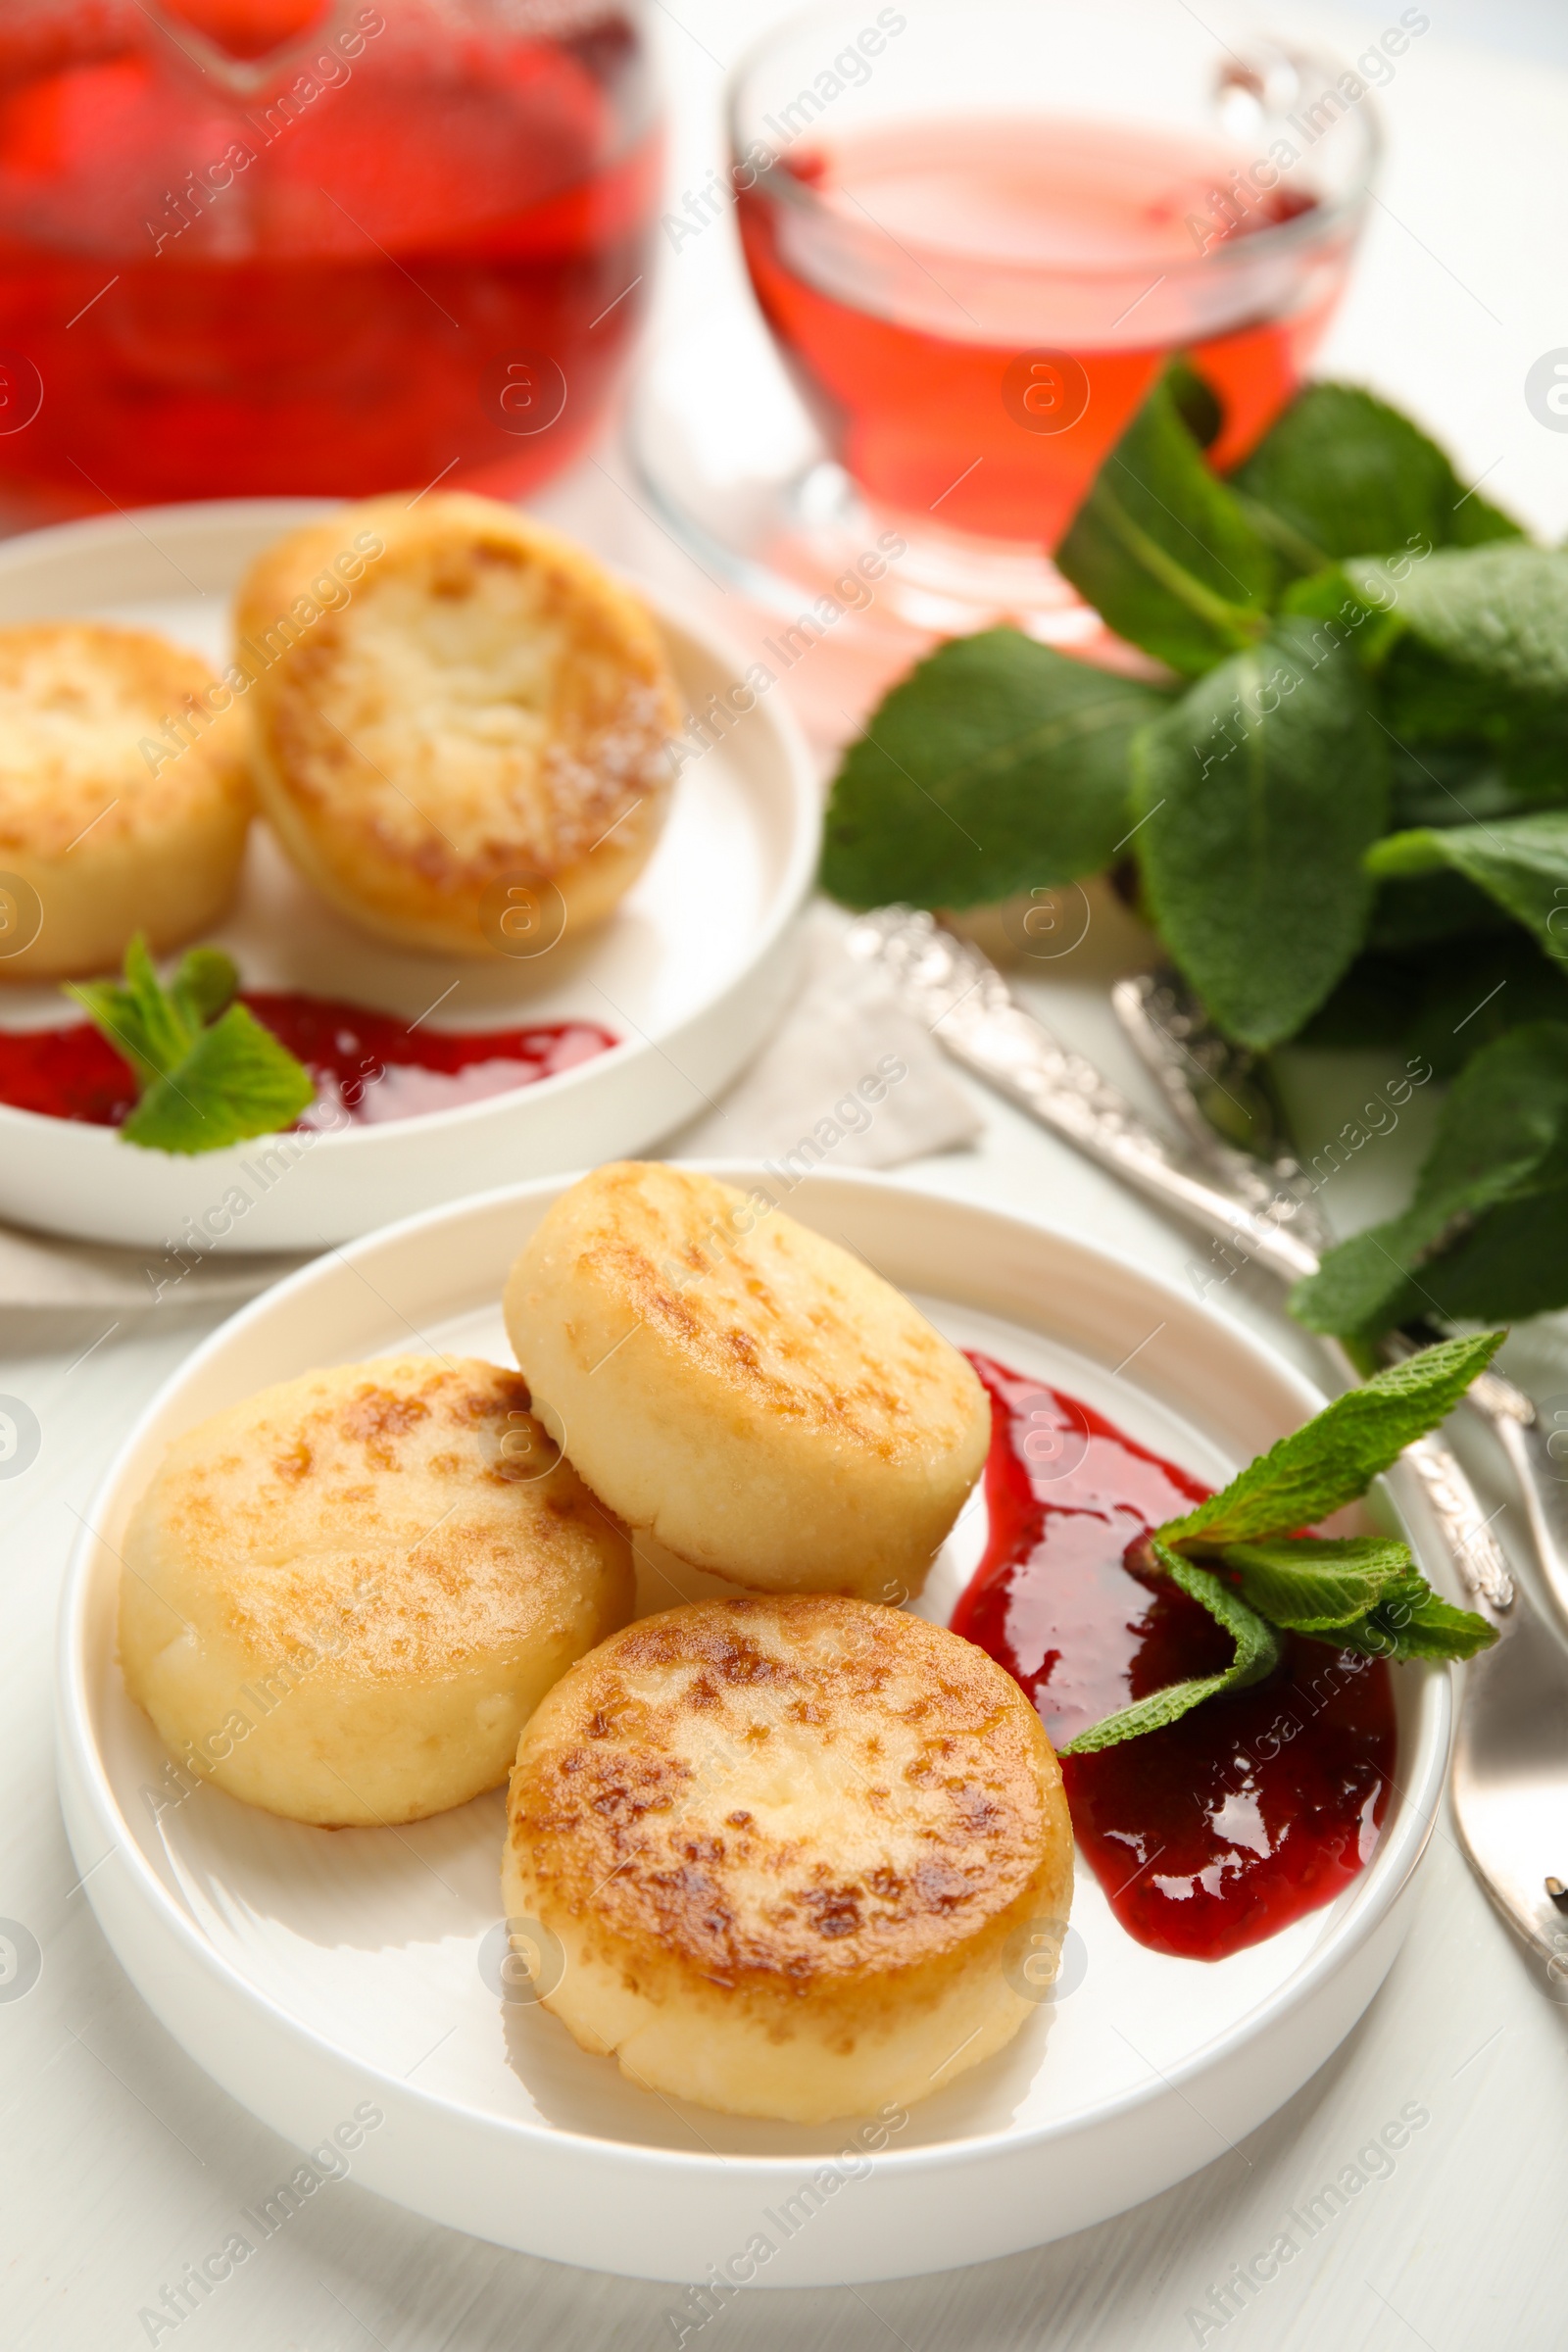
x: 358, y: 1478
x: 117, y: 821
x: 736, y: 1309
x: 746, y: 1390
x: 951, y: 1823
x: 375, y: 1572
x: 486, y: 707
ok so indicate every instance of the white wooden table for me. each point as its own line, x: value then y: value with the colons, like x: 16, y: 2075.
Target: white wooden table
x: 121, y: 2162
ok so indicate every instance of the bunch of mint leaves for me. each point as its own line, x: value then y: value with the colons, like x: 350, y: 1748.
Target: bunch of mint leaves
x: 207, y: 1072
x: 1347, y: 815
x: 1238, y: 1553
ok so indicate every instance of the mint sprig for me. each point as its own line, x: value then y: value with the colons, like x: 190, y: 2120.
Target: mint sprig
x: 1348, y: 808
x: 1359, y: 1592
x: 208, y: 1075
x: 1316, y: 1583
x: 1318, y: 1470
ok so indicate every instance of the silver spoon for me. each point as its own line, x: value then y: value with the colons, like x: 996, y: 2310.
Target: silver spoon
x: 1510, y: 1783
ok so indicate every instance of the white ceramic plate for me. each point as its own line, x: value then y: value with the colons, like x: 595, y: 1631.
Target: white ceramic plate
x: 311, y: 1970
x: 690, y: 973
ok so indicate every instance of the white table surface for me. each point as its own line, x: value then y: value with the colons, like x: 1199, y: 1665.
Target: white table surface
x: 121, y: 2161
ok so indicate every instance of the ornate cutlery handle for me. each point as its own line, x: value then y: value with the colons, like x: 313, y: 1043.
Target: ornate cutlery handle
x: 1174, y: 1039
x: 1522, y: 1441
x: 971, y: 1011
x: 1477, y: 1554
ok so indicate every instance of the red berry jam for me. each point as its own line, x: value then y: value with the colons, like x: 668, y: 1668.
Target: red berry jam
x: 1258, y: 1806
x: 369, y: 1065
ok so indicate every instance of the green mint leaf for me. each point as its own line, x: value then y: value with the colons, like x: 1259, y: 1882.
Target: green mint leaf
x: 144, y: 1024
x: 1163, y: 550
x: 1486, y: 1234
x: 1356, y: 1592
x: 1360, y: 1592
x: 997, y: 765
x: 1521, y: 862
x: 1258, y: 1647
x: 1258, y: 797
x: 1341, y: 473
x: 236, y: 1081
x: 1318, y: 1470
x: 109, y: 1007
x: 1516, y: 1255
x: 1365, y: 1287
x: 1339, y: 615
x: 1477, y: 522
x: 199, y: 1087
x: 1439, y: 1007
x: 1497, y: 616
x: 1426, y: 700
x: 205, y: 982
x: 1413, y: 911
x: 1533, y: 760
x: 1148, y: 1714
x: 1197, y: 404
x: 1469, y: 647
x: 1257, y: 1653
x: 1311, y: 1584
x: 1455, y: 783
x: 1423, y: 1626
x: 1414, y: 1625
x: 162, y: 1024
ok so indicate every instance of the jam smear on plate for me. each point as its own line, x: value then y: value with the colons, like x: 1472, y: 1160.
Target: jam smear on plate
x: 1255, y: 1807
x: 371, y: 1065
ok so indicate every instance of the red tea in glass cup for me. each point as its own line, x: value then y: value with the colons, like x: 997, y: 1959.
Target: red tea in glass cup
x: 313, y: 246
x: 978, y: 232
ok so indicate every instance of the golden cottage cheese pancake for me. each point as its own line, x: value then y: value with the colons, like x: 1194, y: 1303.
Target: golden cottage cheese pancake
x: 753, y: 1395
x: 124, y: 797
x: 790, y: 1849
x: 465, y: 749
x: 343, y: 1599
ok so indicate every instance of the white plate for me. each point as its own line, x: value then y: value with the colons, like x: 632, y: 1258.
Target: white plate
x: 691, y: 972
x: 311, y: 1970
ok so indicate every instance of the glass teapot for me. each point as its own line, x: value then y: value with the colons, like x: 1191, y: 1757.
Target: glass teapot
x: 251, y: 247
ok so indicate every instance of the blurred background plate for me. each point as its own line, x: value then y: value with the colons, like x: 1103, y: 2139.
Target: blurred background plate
x: 690, y: 973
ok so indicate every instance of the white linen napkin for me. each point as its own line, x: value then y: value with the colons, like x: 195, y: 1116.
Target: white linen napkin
x: 848, y: 1080
x: 39, y: 1272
